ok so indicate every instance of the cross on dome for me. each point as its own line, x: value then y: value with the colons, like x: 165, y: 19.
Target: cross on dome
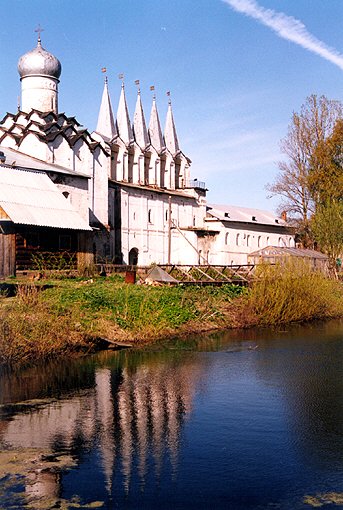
x: 39, y: 30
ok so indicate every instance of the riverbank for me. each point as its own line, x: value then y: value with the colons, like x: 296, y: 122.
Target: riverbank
x: 66, y: 317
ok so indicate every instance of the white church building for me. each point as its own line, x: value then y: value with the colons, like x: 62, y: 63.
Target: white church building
x: 122, y: 193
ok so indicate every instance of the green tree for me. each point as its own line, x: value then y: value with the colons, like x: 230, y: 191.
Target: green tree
x: 308, y: 130
x: 327, y: 229
x: 326, y: 175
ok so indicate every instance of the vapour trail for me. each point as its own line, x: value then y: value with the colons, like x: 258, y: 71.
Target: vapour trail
x: 287, y: 27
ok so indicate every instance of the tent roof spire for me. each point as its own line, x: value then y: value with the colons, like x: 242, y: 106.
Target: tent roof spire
x: 139, y: 125
x: 170, y: 136
x: 106, y: 125
x: 123, y: 119
x: 155, y: 131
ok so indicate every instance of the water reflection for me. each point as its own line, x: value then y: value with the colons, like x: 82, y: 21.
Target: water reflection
x: 132, y: 413
x: 242, y: 420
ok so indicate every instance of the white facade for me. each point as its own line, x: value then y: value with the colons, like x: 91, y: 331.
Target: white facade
x: 243, y: 230
x: 131, y: 182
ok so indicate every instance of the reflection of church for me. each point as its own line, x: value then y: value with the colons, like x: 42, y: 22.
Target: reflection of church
x: 123, y: 192
x: 133, y: 418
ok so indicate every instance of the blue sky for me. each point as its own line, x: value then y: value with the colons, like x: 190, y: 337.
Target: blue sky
x: 236, y: 69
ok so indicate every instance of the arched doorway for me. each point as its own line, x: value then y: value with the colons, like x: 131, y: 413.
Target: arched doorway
x: 133, y: 257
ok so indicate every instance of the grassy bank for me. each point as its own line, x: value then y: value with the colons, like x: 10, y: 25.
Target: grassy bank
x: 72, y: 315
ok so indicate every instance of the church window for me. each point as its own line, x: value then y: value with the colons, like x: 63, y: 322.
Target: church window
x: 146, y: 168
x: 259, y: 242
x: 114, y: 163
x: 267, y: 241
x: 130, y: 167
x: 238, y: 240
x: 149, y: 216
x: 162, y: 172
x: 248, y: 240
x: 177, y: 174
x: 227, y: 238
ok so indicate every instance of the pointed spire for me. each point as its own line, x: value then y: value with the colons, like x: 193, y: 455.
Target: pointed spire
x: 106, y: 125
x: 139, y: 126
x: 155, y: 131
x: 123, y: 119
x: 170, y: 136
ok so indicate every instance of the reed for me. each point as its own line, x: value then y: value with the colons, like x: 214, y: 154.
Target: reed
x: 71, y: 315
x: 291, y: 291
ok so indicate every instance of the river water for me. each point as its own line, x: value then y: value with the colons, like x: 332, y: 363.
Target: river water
x: 239, y: 420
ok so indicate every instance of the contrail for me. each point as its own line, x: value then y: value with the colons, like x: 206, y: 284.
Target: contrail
x: 287, y: 27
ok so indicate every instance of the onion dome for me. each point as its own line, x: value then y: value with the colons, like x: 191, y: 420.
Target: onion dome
x: 39, y: 62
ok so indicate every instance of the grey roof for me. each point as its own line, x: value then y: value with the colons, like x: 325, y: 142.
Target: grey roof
x: 244, y: 215
x: 157, y: 274
x: 15, y: 158
x: 39, y: 62
x: 272, y: 251
x: 31, y: 198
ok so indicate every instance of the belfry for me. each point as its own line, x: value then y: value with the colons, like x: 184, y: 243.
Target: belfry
x: 121, y: 194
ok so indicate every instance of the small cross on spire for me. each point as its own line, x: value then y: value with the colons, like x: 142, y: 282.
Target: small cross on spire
x: 39, y: 30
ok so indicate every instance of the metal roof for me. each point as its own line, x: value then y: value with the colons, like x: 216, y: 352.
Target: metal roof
x: 18, y: 159
x: 279, y: 251
x: 244, y: 215
x: 31, y: 198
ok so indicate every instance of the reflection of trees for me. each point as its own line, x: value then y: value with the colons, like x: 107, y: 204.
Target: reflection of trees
x: 133, y: 415
x: 307, y: 364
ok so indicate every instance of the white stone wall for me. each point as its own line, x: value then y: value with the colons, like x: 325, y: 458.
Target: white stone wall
x: 145, y: 225
x: 39, y: 93
x: 233, y: 243
x: 75, y: 190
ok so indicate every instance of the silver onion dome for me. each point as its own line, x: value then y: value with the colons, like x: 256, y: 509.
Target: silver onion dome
x: 39, y: 62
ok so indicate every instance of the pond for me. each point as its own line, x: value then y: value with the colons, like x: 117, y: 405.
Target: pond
x: 238, y: 420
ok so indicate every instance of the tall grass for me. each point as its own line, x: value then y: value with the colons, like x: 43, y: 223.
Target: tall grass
x: 71, y: 315
x: 291, y: 291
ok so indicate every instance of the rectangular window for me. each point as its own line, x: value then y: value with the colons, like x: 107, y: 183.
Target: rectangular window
x: 64, y: 242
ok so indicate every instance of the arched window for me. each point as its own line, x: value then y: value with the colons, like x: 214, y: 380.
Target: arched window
x: 267, y: 241
x: 149, y: 216
x: 193, y: 221
x: 238, y: 240
x: 259, y: 242
x: 248, y: 240
x: 227, y: 238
